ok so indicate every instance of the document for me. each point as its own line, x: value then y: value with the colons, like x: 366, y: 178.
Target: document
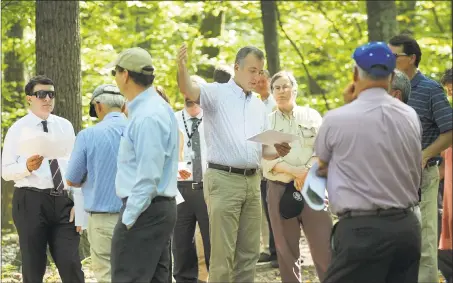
x: 81, y: 216
x: 32, y: 142
x: 314, y: 189
x: 271, y: 137
x: 179, y: 198
x: 185, y: 165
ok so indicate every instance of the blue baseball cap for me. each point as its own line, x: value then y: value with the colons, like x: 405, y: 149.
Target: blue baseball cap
x: 375, y: 58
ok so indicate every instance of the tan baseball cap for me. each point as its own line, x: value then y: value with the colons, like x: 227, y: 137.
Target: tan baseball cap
x: 134, y: 59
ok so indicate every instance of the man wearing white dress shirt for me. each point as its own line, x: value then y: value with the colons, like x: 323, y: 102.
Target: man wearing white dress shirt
x: 41, y: 207
x: 232, y: 181
x: 193, y: 209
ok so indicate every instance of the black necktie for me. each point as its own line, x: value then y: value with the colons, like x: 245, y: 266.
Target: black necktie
x: 55, y: 171
x: 197, y: 169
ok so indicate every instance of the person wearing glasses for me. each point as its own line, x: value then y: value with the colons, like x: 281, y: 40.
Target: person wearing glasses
x: 41, y: 206
x: 288, y: 174
x: 146, y: 175
x: 93, y: 167
x: 435, y: 113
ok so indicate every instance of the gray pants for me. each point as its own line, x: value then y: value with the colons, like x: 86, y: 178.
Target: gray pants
x: 141, y: 254
x: 317, y: 226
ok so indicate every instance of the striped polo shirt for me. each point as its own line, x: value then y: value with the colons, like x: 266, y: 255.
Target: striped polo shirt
x: 431, y: 104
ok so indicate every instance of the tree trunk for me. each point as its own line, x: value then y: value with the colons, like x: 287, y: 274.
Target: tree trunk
x: 13, y: 89
x: 58, y: 55
x: 382, y: 24
x: 211, y: 27
x: 269, y: 19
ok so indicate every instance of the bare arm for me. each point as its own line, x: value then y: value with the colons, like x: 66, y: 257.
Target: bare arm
x: 443, y: 142
x: 71, y: 184
x: 181, y: 146
x: 188, y: 88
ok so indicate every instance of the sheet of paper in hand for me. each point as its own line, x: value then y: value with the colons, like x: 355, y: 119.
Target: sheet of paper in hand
x: 271, y: 137
x: 314, y: 189
x: 50, y: 146
x: 185, y: 165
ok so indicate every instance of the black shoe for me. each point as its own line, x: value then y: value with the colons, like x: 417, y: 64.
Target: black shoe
x: 264, y: 258
x: 274, y: 264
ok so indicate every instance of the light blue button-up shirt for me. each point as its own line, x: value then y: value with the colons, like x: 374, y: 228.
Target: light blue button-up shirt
x: 148, y: 154
x: 94, y: 156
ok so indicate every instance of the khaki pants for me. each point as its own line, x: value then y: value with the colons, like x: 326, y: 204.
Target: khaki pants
x: 317, y: 227
x: 100, y: 232
x: 428, y: 207
x: 264, y: 233
x: 234, y: 208
x: 202, y: 270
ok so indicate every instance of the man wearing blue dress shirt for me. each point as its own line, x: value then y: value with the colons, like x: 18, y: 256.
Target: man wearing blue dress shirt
x: 94, y: 159
x: 146, y: 179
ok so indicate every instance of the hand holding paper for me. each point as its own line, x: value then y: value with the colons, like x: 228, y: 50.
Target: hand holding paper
x: 272, y: 137
x: 34, y: 142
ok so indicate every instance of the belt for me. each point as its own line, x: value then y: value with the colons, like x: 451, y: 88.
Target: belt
x: 46, y: 191
x: 245, y: 172
x: 101, y: 212
x: 435, y: 161
x: 156, y: 199
x: 378, y: 212
x: 194, y: 186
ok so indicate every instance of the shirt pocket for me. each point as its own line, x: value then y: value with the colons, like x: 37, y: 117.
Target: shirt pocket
x: 126, y: 152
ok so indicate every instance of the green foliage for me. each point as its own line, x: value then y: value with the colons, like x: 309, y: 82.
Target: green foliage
x: 326, y: 32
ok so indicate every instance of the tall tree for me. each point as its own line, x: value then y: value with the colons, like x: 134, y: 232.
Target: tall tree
x: 382, y: 23
x: 58, y: 55
x: 269, y: 20
x: 211, y: 27
x: 12, y: 87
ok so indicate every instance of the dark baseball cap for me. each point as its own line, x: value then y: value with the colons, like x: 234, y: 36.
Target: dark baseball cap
x: 375, y: 58
x: 292, y: 202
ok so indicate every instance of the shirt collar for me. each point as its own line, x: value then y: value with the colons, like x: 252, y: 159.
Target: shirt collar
x: 187, y: 115
x: 372, y: 93
x: 135, y: 103
x: 36, y: 120
x: 416, y: 79
x: 113, y: 114
x: 237, y: 89
x: 291, y: 116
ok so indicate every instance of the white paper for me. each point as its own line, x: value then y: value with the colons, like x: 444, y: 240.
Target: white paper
x: 271, y: 137
x: 185, y: 165
x: 81, y: 216
x: 314, y: 190
x: 179, y: 198
x: 32, y: 142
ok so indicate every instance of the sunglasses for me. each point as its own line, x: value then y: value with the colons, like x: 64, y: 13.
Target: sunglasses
x: 113, y: 72
x: 41, y: 94
x: 400, y: 54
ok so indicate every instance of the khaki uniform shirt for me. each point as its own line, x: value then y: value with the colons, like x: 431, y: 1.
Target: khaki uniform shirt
x: 303, y: 122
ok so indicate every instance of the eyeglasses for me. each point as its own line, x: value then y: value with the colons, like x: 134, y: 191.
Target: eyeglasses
x: 41, y: 94
x: 400, y: 54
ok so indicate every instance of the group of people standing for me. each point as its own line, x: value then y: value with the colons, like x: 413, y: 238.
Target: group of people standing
x: 380, y: 154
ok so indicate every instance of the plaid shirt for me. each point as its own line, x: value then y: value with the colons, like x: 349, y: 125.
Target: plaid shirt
x: 431, y: 104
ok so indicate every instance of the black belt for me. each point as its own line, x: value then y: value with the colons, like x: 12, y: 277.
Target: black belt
x: 45, y: 191
x: 378, y: 212
x: 435, y: 161
x: 245, y: 172
x: 189, y: 184
x: 155, y: 199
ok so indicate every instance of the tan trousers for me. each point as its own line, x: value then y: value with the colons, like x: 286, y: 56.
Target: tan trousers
x: 317, y: 227
x: 234, y: 208
x: 428, y: 206
x: 100, y: 232
x: 202, y: 270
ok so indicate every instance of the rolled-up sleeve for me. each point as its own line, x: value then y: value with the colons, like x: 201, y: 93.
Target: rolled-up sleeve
x: 208, y: 92
x: 77, y: 166
x: 442, y: 111
x: 323, y: 147
x: 150, y: 137
x: 12, y: 168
